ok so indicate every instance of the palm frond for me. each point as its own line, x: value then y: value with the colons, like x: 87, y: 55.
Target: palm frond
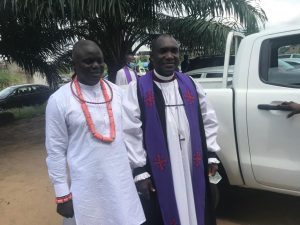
x: 48, y: 26
x: 41, y: 9
x: 198, y: 35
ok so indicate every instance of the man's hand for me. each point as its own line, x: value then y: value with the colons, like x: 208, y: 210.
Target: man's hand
x: 294, y: 107
x: 144, y: 187
x: 65, y: 209
x: 212, y: 169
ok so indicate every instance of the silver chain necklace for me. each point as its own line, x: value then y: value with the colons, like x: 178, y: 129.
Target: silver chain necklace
x: 176, y: 105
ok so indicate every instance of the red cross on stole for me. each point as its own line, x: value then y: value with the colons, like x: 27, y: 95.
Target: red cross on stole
x: 160, y: 162
x: 197, y: 159
x: 149, y: 99
x: 190, y: 98
x: 173, y: 222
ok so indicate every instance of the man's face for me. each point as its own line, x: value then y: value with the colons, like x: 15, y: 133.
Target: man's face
x: 89, y: 64
x: 165, y: 56
x: 130, y: 59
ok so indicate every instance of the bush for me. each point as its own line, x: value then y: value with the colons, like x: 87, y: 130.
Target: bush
x: 7, y: 78
x: 28, y: 111
x: 6, y: 118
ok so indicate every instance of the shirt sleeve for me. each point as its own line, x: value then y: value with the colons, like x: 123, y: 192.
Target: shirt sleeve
x: 56, y: 145
x: 210, y: 123
x: 132, y: 127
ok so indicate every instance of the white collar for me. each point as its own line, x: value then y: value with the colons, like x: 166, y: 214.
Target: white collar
x: 163, y: 77
x: 90, y: 87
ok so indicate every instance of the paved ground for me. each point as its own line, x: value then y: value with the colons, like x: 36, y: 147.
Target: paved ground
x: 26, y: 196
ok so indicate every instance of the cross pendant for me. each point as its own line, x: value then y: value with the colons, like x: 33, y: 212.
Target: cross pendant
x: 180, y: 140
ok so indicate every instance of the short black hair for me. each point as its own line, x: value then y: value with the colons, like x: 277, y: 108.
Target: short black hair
x: 79, y: 44
x: 155, y: 40
x: 129, y: 53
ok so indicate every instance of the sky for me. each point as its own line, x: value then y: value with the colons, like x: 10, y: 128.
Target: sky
x: 281, y: 12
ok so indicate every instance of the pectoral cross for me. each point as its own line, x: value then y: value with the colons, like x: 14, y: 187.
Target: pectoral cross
x: 181, y: 138
x: 180, y: 133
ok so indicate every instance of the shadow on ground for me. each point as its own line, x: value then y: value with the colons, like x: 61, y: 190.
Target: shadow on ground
x: 252, y: 207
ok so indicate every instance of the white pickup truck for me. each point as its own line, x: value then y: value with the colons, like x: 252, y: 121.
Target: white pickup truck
x: 260, y: 146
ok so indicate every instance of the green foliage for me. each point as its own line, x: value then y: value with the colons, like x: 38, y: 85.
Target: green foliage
x: 143, y: 58
x: 28, y: 111
x: 61, y: 9
x: 8, y: 78
x: 283, y: 49
x: 49, y: 27
x: 4, y: 78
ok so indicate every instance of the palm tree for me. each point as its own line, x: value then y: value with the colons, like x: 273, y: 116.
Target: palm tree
x: 118, y: 25
x: 31, y: 43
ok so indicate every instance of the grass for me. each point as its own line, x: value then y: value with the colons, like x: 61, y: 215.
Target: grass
x: 28, y: 111
x: 4, y: 77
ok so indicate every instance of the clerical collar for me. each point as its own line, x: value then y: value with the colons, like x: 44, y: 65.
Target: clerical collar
x: 163, y: 79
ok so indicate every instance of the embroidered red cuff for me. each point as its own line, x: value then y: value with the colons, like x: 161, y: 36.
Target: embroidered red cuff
x: 63, y: 199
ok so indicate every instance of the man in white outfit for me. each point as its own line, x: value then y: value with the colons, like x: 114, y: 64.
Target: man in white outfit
x: 170, y: 134
x: 127, y: 74
x: 84, y: 139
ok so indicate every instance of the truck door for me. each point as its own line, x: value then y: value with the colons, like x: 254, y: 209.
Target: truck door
x: 274, y: 140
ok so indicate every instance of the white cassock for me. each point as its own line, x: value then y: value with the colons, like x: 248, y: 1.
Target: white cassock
x: 101, y: 180
x: 180, y: 153
x: 121, y: 77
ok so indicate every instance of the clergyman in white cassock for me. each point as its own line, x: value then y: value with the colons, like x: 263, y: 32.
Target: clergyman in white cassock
x: 127, y: 73
x: 172, y: 116
x: 121, y: 78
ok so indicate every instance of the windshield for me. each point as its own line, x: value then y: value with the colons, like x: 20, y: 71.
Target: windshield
x: 5, y: 92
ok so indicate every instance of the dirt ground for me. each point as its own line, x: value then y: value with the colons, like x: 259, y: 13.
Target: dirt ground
x: 26, y: 195
x: 27, y: 198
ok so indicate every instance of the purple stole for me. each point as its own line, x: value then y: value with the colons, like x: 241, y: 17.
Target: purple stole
x: 158, y: 153
x: 127, y: 74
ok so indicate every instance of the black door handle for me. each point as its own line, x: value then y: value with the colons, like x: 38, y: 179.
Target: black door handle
x: 274, y: 107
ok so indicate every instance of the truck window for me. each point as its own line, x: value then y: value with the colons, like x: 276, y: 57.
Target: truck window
x: 196, y: 75
x: 273, y: 68
x: 214, y: 75
x: 283, y: 56
x: 217, y: 75
x: 296, y: 56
